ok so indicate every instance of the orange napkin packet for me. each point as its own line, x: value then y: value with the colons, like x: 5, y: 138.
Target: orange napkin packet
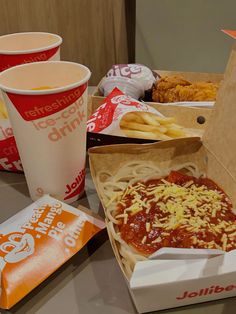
x: 37, y: 241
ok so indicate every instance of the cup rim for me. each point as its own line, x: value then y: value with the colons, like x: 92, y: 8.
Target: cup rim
x: 27, y: 51
x: 44, y: 91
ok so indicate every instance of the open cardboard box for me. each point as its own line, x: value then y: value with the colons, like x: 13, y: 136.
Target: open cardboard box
x: 170, y: 281
x: 189, y: 117
x: 98, y: 98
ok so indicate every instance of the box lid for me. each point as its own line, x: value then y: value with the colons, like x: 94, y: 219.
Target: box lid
x: 220, y: 134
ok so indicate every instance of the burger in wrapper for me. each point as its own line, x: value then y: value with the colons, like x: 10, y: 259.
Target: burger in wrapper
x: 134, y: 80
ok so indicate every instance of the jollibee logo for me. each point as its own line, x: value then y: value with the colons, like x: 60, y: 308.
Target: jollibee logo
x: 77, y: 186
x: 123, y: 99
x: 206, y: 291
x: 16, y: 247
x: 126, y: 100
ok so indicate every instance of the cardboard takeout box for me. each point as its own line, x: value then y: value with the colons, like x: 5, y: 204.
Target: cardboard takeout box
x: 166, y: 283
x: 192, y: 118
x: 98, y: 98
x: 189, y: 117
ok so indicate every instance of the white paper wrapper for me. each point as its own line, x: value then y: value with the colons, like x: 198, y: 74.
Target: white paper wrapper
x: 138, y: 72
x: 106, y: 119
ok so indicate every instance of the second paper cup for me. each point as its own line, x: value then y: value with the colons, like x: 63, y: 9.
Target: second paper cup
x: 19, y: 48
x: 47, y: 105
x: 16, y: 49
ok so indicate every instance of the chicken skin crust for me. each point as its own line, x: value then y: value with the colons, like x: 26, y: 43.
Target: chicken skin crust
x: 176, y: 89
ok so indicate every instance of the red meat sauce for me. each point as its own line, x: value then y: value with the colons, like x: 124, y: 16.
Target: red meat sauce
x: 134, y: 230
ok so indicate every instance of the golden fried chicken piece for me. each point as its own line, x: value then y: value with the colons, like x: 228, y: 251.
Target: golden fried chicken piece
x: 168, y: 82
x: 165, y: 89
x: 175, y: 89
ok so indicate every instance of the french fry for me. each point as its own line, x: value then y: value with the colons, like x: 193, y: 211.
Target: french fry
x: 146, y: 135
x: 142, y: 127
x: 150, y: 119
x: 174, y: 125
x: 1, y: 115
x: 174, y: 132
x: 3, y: 111
x: 147, y: 125
x: 165, y: 120
x: 133, y: 117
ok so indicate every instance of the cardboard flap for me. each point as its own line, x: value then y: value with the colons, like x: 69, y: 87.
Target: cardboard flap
x: 156, y: 272
x: 220, y: 134
x: 180, y: 253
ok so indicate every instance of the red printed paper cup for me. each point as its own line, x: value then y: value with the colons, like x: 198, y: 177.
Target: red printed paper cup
x: 17, y: 49
x: 29, y: 47
x: 47, y: 105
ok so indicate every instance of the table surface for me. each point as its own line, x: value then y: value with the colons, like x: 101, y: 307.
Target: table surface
x: 91, y: 281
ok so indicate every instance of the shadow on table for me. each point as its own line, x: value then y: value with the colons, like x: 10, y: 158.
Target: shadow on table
x: 111, y: 294
x: 223, y: 306
x: 21, y: 188
x: 16, y: 180
x: 113, y: 291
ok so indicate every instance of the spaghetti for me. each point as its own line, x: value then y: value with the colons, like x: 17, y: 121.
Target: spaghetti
x: 149, y: 208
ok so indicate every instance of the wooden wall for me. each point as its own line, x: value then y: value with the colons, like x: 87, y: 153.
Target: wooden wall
x: 93, y: 31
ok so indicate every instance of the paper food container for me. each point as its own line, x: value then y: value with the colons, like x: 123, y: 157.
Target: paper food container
x: 171, y: 281
x: 195, y: 119
x: 98, y: 98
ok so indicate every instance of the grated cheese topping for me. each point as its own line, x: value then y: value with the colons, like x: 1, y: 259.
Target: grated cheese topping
x: 190, y: 208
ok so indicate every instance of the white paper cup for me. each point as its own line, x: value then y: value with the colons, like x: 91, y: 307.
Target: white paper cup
x: 128, y: 86
x: 49, y: 125
x: 19, y: 48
